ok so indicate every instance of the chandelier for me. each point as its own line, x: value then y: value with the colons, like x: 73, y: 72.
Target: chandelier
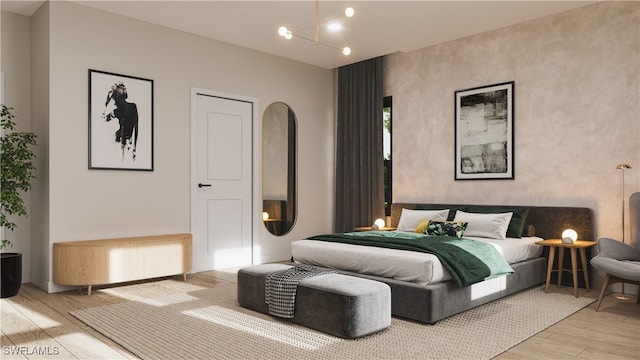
x: 288, y: 34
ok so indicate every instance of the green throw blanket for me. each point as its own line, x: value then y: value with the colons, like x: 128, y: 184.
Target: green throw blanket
x: 467, y: 261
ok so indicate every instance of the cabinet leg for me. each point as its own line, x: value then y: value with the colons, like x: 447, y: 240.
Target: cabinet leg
x: 184, y: 276
x: 89, y: 290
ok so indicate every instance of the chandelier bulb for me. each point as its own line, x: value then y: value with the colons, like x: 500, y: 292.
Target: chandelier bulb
x: 288, y: 35
x: 283, y: 31
x: 346, y: 50
x: 348, y: 12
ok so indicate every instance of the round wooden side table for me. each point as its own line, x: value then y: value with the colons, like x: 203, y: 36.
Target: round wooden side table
x: 581, y: 245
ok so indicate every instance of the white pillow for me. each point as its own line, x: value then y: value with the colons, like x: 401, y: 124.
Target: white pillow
x: 409, y: 219
x: 493, y: 226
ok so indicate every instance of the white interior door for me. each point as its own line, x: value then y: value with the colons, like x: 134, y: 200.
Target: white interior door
x: 221, y: 182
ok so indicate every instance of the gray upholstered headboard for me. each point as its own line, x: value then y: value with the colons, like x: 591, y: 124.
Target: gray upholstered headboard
x: 549, y: 221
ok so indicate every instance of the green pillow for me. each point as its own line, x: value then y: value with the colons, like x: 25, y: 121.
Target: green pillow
x: 447, y: 228
x: 517, y: 223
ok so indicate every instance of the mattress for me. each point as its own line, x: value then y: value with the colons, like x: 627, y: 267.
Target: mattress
x: 403, y: 265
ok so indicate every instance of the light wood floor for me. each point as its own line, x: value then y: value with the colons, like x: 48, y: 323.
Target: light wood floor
x: 37, y: 325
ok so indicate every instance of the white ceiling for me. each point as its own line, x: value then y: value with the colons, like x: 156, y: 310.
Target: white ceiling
x: 378, y: 27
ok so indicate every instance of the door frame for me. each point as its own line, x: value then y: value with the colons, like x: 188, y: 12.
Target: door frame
x: 256, y: 210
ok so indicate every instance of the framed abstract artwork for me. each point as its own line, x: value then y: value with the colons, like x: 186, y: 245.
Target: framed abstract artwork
x: 120, y: 122
x: 484, y: 132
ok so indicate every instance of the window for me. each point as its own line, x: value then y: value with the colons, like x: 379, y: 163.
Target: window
x: 386, y: 152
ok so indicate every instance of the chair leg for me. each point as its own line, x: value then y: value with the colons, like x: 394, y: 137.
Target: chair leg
x: 605, y: 285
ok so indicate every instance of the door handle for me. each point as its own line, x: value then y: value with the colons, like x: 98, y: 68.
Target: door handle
x: 203, y: 185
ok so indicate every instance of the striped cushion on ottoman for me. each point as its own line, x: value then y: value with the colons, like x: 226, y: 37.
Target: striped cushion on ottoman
x: 337, y: 304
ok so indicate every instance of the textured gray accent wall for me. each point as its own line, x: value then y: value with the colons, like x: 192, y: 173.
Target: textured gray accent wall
x: 577, y: 112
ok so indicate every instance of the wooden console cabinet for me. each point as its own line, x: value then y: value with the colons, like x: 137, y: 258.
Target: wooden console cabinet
x: 109, y: 261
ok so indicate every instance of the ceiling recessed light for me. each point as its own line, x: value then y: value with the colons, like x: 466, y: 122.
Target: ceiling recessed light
x: 348, y: 12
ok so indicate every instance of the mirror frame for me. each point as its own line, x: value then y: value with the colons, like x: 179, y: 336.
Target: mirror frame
x: 275, y: 202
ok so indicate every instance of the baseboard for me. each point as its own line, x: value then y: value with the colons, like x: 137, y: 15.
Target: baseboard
x: 49, y: 286
x: 53, y: 288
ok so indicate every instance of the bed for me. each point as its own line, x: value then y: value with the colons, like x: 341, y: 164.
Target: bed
x: 421, y: 289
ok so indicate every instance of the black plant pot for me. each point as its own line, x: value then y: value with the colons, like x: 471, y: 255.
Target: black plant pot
x: 11, y: 273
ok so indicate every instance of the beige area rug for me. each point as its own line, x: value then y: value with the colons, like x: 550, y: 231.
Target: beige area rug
x: 209, y: 324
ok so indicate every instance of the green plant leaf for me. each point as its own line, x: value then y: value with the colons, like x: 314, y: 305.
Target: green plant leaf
x: 16, y: 169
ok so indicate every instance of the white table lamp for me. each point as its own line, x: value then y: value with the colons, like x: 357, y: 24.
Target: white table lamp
x: 569, y: 236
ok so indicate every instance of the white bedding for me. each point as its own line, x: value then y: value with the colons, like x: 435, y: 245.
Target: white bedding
x: 401, y: 265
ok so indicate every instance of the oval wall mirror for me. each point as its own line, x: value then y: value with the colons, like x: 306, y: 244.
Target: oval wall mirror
x: 279, y: 209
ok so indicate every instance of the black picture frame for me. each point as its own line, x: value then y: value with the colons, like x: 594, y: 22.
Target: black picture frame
x: 484, y: 133
x: 120, y: 122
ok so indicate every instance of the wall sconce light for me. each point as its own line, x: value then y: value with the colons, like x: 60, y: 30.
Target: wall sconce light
x: 265, y: 216
x: 378, y: 224
x: 288, y: 34
x: 569, y: 236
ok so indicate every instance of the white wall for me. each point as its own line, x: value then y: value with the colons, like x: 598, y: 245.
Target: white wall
x: 93, y: 204
x: 577, y: 112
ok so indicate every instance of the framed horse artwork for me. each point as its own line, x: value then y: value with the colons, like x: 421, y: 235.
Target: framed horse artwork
x: 120, y: 122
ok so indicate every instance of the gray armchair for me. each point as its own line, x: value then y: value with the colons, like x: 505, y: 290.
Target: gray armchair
x: 621, y: 262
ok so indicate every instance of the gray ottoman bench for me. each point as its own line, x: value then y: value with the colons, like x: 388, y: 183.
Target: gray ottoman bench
x: 341, y: 305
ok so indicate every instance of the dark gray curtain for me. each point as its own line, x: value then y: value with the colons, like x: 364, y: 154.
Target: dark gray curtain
x: 359, y: 158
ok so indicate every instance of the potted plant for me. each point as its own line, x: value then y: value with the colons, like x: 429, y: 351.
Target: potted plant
x: 16, y: 173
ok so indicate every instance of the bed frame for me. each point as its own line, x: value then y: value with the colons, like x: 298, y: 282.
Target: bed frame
x: 434, y: 302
